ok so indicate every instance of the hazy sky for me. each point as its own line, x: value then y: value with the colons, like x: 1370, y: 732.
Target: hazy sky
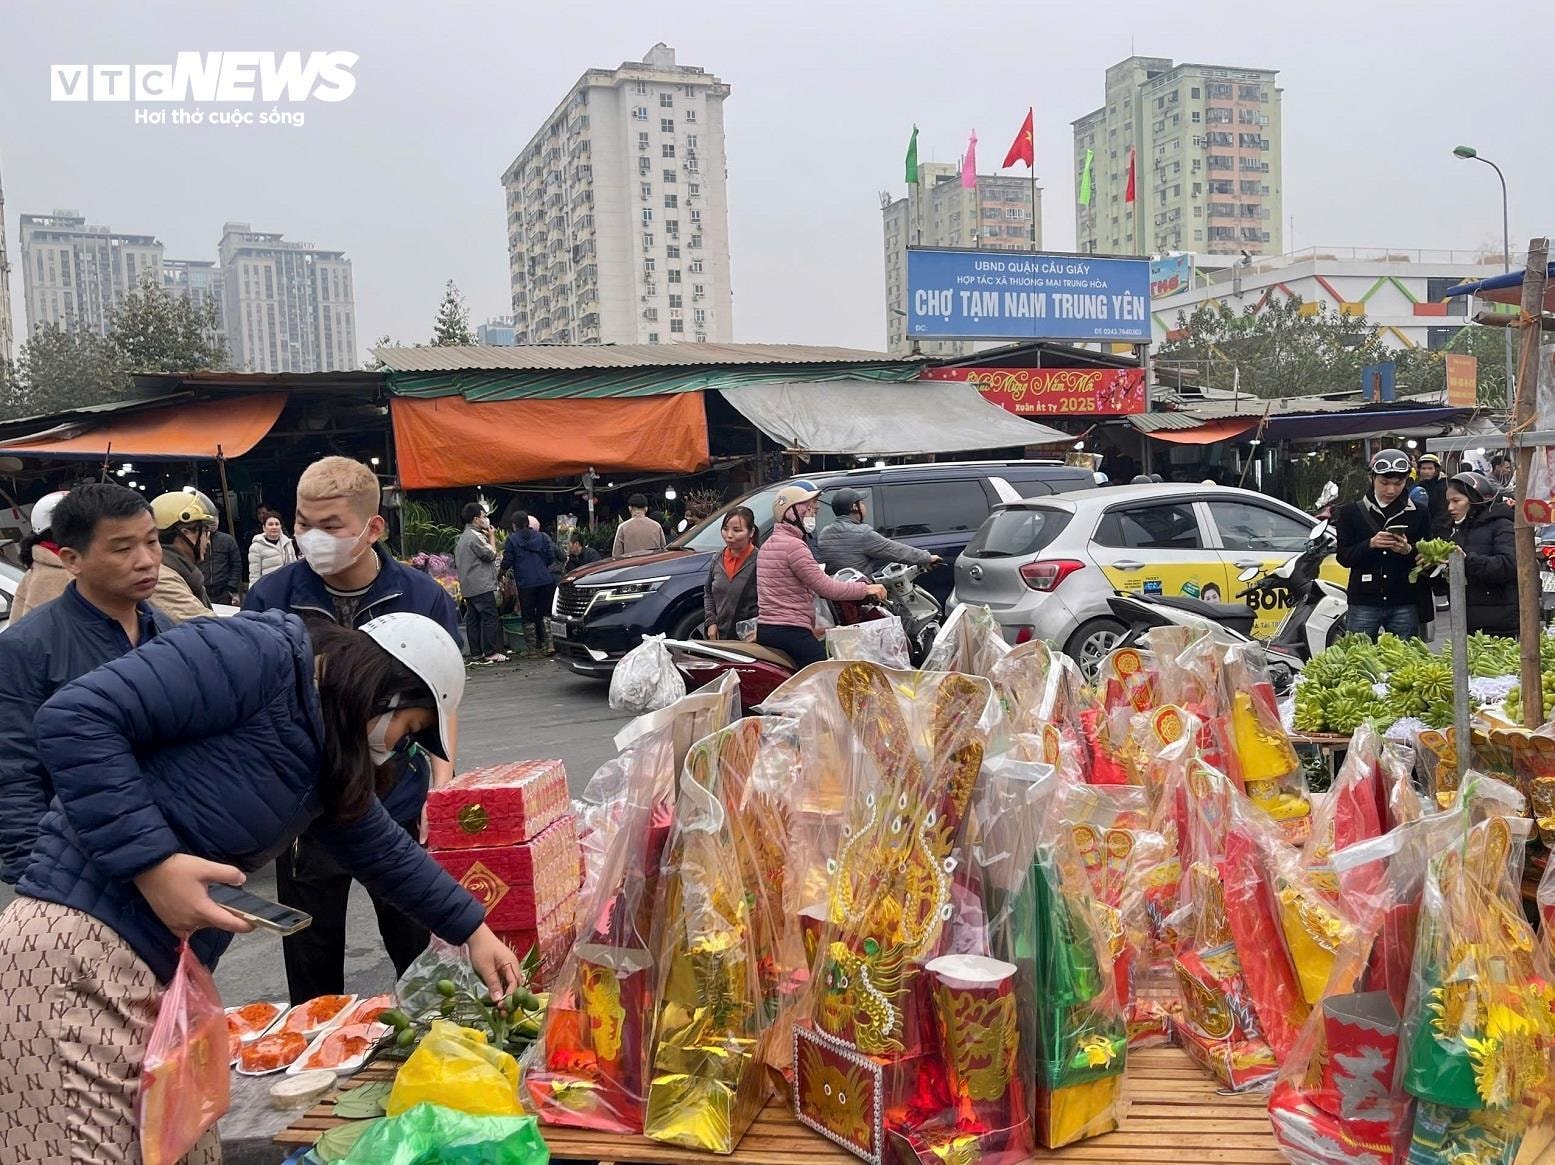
x: 404, y: 176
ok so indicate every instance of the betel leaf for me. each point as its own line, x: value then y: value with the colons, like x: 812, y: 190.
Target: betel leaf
x: 336, y: 1143
x: 367, y: 1100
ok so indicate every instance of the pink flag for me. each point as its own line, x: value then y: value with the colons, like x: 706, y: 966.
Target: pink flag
x: 969, y: 164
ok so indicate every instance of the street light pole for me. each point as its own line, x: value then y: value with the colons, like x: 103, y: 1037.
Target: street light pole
x: 1470, y: 153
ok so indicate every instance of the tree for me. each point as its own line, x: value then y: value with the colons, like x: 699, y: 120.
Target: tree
x: 1424, y: 371
x: 155, y: 330
x: 60, y: 370
x: 453, y: 319
x: 372, y: 363
x: 1286, y: 348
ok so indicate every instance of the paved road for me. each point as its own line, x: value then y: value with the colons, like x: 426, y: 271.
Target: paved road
x: 510, y: 712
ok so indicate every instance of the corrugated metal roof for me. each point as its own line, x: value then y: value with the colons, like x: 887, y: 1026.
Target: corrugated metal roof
x: 1155, y: 422
x: 477, y: 385
x: 556, y: 357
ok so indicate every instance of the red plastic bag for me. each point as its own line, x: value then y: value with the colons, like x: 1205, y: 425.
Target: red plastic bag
x: 184, y: 1083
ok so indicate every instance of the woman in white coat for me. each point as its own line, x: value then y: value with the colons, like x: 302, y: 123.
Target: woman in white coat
x: 270, y: 550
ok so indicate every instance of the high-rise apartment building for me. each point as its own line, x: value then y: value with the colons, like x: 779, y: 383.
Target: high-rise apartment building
x: 996, y: 214
x: 1206, y: 147
x: 7, y: 329
x: 199, y: 280
x: 74, y: 274
x: 618, y: 221
x: 288, y: 307
x: 498, y: 330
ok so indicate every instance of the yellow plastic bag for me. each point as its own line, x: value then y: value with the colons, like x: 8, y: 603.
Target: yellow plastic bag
x: 455, y: 1067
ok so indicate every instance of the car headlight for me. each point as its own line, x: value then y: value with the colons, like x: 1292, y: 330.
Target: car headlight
x: 626, y: 592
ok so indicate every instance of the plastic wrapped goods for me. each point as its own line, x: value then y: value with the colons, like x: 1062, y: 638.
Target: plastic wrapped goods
x: 590, y: 1066
x: 720, y: 932
x: 970, y: 642
x: 184, y: 1084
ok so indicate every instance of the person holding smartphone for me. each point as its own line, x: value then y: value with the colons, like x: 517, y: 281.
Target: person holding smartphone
x: 1377, y: 537
x: 181, y: 765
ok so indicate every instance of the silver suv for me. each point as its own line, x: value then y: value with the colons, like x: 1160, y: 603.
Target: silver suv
x: 1046, y: 566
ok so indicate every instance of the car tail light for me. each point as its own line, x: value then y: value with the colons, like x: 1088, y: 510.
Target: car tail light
x: 1025, y: 635
x: 1045, y: 574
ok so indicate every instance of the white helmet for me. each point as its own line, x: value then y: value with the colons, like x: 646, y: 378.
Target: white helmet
x: 43, y: 510
x: 425, y: 648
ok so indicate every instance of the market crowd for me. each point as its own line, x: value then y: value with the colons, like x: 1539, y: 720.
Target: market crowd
x: 149, y: 751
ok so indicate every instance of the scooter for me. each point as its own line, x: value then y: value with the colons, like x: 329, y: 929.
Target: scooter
x: 761, y: 669
x: 1317, y: 613
x: 1228, y: 622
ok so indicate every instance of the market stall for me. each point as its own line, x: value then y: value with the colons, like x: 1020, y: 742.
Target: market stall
x: 984, y: 912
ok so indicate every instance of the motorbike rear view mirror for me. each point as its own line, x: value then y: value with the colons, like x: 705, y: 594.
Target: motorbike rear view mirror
x: 1320, y: 531
x: 1329, y: 492
x: 1248, y: 574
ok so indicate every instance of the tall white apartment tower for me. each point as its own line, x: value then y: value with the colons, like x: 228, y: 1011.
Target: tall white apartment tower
x: 287, y: 307
x: 618, y: 211
x: 75, y: 273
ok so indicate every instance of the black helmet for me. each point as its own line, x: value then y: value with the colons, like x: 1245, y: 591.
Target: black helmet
x: 1390, y: 462
x: 1140, y: 479
x: 845, y: 499
x: 1478, y: 488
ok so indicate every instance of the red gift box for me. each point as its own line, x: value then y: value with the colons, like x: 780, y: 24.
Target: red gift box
x: 520, y: 884
x: 551, y: 939
x: 497, y: 806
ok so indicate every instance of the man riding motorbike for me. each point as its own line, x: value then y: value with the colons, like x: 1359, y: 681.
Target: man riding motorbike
x: 850, y: 542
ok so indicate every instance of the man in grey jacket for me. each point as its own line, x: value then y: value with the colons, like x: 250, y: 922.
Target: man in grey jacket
x: 475, y: 558
x: 851, y: 542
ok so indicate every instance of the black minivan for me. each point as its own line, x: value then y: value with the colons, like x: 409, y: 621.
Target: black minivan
x: 604, y: 609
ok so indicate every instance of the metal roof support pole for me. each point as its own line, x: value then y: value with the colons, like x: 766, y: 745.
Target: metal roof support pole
x: 1528, y: 629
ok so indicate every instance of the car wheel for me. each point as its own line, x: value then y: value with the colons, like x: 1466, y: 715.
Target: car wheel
x: 688, y: 627
x: 1093, y: 642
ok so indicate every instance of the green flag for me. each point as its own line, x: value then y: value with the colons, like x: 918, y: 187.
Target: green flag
x: 912, y: 156
x: 1085, y: 180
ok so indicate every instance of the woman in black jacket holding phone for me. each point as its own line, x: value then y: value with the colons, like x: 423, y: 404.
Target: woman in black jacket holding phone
x: 1482, y: 528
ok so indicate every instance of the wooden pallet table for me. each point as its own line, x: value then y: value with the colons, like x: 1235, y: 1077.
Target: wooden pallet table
x: 1175, y: 1114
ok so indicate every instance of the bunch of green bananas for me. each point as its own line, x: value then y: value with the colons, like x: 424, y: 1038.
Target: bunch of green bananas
x: 1514, y: 700
x: 1427, y: 679
x: 1394, y: 653
x: 1492, y: 655
x: 1340, y: 707
x: 1431, y: 552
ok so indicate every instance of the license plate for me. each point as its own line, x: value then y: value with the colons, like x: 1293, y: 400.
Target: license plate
x: 1547, y: 582
x: 558, y: 629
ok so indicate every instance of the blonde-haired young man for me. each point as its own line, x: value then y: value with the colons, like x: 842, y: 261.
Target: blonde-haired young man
x: 346, y: 576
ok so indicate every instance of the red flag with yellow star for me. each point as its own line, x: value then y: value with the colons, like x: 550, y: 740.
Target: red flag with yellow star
x: 1024, y: 147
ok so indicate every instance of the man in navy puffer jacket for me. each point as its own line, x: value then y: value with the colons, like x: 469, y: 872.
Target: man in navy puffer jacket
x: 348, y: 577
x: 108, y: 543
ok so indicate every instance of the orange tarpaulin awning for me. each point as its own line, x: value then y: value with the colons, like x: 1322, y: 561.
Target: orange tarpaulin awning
x: 447, y: 441
x: 1207, y: 433
x: 227, y: 427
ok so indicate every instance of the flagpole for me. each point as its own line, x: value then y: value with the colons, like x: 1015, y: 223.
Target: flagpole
x: 1031, y: 116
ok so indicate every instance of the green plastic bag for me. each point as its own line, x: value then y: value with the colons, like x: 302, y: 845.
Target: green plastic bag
x: 430, y: 1134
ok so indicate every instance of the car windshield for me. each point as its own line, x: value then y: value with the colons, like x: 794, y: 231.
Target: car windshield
x: 707, y: 536
x: 1016, y: 531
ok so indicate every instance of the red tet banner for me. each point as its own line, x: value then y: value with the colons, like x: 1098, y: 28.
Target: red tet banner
x: 1054, y: 391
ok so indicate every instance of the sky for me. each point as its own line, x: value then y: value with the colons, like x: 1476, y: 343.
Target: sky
x: 405, y: 175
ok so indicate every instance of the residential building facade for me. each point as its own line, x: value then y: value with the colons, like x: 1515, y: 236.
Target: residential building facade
x: 1401, y: 293
x: 74, y: 273
x: 288, y: 306
x: 996, y: 214
x: 200, y: 280
x: 618, y: 226
x: 7, y: 328
x: 1206, y: 142
x: 497, y: 330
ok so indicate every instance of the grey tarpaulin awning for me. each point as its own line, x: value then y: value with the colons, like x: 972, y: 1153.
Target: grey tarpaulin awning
x: 866, y: 417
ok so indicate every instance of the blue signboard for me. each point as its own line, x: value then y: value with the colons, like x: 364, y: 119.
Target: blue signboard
x: 1377, y: 382
x: 1033, y: 295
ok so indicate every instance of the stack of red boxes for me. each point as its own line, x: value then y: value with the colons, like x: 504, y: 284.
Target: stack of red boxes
x: 508, y: 835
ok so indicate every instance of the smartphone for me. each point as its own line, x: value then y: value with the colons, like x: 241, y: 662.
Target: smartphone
x: 259, y: 911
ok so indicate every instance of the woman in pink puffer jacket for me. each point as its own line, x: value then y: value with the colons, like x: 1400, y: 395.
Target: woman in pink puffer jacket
x: 788, y: 578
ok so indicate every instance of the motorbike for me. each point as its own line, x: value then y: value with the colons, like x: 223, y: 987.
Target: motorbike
x: 761, y: 669
x: 1315, y: 620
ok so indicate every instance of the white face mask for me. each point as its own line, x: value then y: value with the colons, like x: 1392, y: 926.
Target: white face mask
x: 378, y: 735
x: 809, y: 523
x: 330, y: 554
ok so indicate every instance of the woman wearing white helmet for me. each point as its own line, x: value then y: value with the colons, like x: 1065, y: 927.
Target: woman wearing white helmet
x: 199, y: 756
x: 46, y: 576
x: 788, y: 578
